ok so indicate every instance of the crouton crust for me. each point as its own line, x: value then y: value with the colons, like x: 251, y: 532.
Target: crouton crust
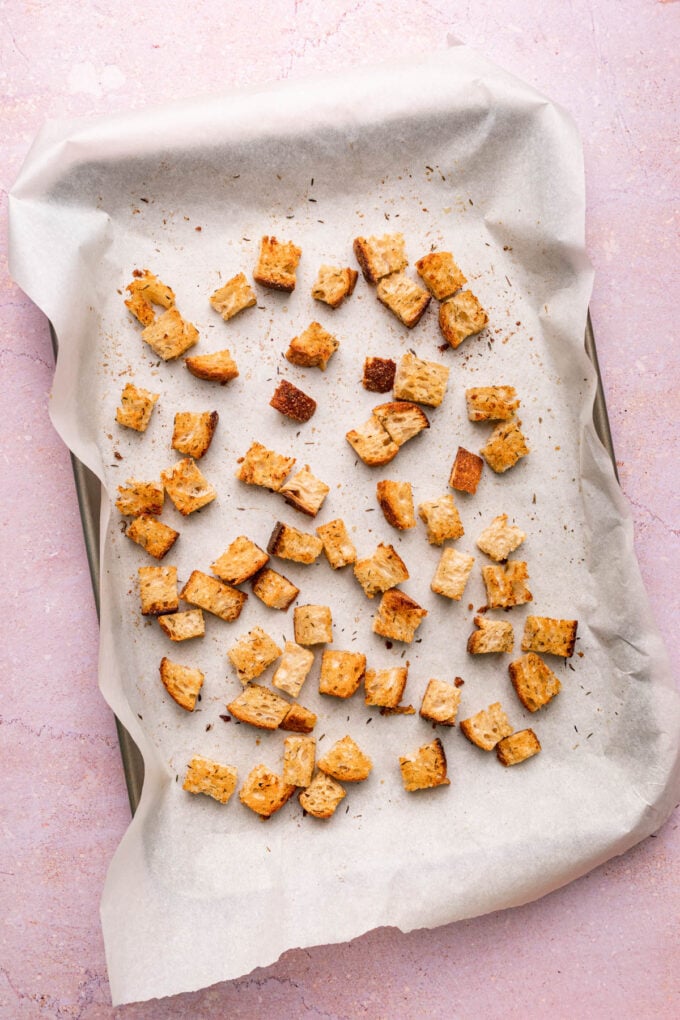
x: 399, y: 616
x: 534, y: 682
x: 380, y: 256
x: 217, y: 367
x: 517, y: 747
x: 292, y: 402
x: 396, y: 503
x: 138, y: 498
x: 466, y: 471
x: 155, y: 537
x: 299, y: 719
x: 288, y: 543
x: 305, y: 492
x: 277, y: 264
x: 275, y: 590
x: 379, y: 374
x: 425, y: 768
x: 182, y: 683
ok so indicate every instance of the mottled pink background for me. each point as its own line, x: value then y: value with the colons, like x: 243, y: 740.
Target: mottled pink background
x: 607, y: 945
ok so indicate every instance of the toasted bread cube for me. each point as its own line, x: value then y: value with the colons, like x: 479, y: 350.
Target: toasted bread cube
x: 491, y: 403
x: 275, y: 590
x: 506, y: 586
x: 214, y: 597
x: 305, y: 492
x: 384, y: 569
x: 292, y: 402
x: 145, y: 291
x: 217, y: 367
x: 487, y: 727
x: 233, y: 297
x: 441, y: 519
x: 264, y: 792
x: 379, y: 374
x: 298, y: 760
x: 419, y: 380
x: 135, y: 408
x: 299, y: 719
x: 187, y: 487
x: 313, y: 348
x: 264, y: 467
x: 158, y: 590
x: 193, y: 432
x: 499, y: 539
x: 322, y: 796
x: 440, y: 274
x: 505, y: 446
x: 492, y: 636
x: 137, y: 498
x: 293, y: 669
x: 399, y: 616
x: 333, y: 285
x: 404, y: 298
x: 452, y: 574
x: 346, y: 761
x: 372, y: 443
x: 313, y: 625
x: 183, y: 626
x: 380, y: 256
x: 545, y: 634
x: 170, y: 335
x: 517, y: 747
x: 384, y: 688
x: 440, y: 702
x: 259, y: 707
x: 209, y: 777
x: 425, y: 768
x: 276, y: 264
x: 252, y: 653
x: 396, y: 503
x: 341, y: 673
x: 337, y: 544
x: 401, y: 419
x: 240, y: 561
x: 181, y: 682
x: 154, y: 537
x: 466, y: 471
x: 288, y: 543
x: 460, y: 317
x: 534, y: 682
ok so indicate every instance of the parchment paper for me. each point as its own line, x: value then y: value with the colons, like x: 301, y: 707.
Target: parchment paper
x: 457, y: 155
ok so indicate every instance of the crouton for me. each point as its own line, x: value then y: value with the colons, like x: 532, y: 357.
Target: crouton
x: 313, y: 625
x: 506, y: 585
x: 440, y: 274
x: 333, y: 285
x: 401, y: 419
x: 293, y: 669
x: 452, y: 574
x: 399, y: 616
x: 213, y: 596
x: 264, y: 467
x: 193, y: 432
x: 466, y: 471
x: 158, y: 590
x: 217, y: 367
x: 384, y: 569
x: 379, y: 374
x: 288, y: 543
x: 499, y: 538
x: 187, y: 487
x: 259, y: 707
x: 292, y: 402
x: 181, y: 682
x: 209, y: 777
x: 276, y: 264
x: 505, y: 446
x: 337, y: 544
x: 264, y: 792
x: 135, y: 408
x: 460, y: 317
x: 440, y: 702
x: 170, y: 335
x: 404, y: 298
x: 380, y: 256
x: 154, y: 537
x: 384, y: 688
x: 441, y: 518
x: 341, y: 673
x: 183, y: 626
x: 346, y: 762
x: 298, y: 760
x: 491, y: 403
x: 233, y: 297
x: 298, y: 719
x: 419, y: 380
x: 240, y: 561
x: 545, y: 634
x: 145, y: 291
x: 396, y: 503
x: 534, y: 682
x: 487, y: 727
x: 275, y: 590
x: 305, y: 492
x: 492, y: 636
x: 425, y: 768
x: 313, y: 348
x: 372, y: 443
x: 322, y: 796
x: 138, y: 498
x: 252, y: 653
x: 517, y: 747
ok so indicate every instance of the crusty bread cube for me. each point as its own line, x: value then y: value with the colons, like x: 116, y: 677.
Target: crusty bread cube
x: 452, y: 574
x: 460, y: 317
x: 216, y: 367
x: 298, y: 759
x: 233, y: 297
x: 209, y: 777
x: 241, y: 560
x: 252, y: 653
x: 401, y: 419
x: 305, y: 492
x: 275, y: 590
x: 492, y: 636
x: 186, y: 486
x: 138, y: 498
x: 441, y: 519
x: 213, y: 596
x: 384, y: 569
x: 506, y: 585
x: 399, y: 616
x: 322, y: 796
x: 372, y: 443
x: 182, y: 683
x: 313, y: 348
x: 333, y: 285
x: 534, y: 682
x: 379, y: 374
x: 380, y: 256
x: 298, y: 719
x: 466, y: 471
x: 264, y: 467
x: 154, y: 537
x: 440, y: 702
x: 499, y: 538
x: 487, y: 727
x: 517, y: 747
x: 419, y: 380
x: 341, y: 673
x: 288, y: 543
x: 158, y: 590
x: 264, y: 792
x: 384, y: 688
x: 276, y: 264
x: 337, y: 544
x: 136, y: 405
x: 170, y: 335
x: 183, y: 626
x: 259, y: 707
x: 313, y: 625
x: 145, y: 291
x: 546, y: 634
x: 396, y: 503
x: 440, y: 274
x: 491, y: 403
x: 193, y: 432
x: 404, y: 297
x: 505, y: 446
x: 346, y: 762
x: 425, y: 768
x: 292, y: 402
x: 293, y: 669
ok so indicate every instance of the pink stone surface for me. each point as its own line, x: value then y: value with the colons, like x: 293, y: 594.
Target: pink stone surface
x: 605, y: 946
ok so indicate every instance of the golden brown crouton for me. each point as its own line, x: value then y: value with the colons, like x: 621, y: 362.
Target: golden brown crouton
x: 240, y: 561
x: 264, y: 467
x: 440, y: 274
x: 313, y: 348
x: 322, y: 796
x: 140, y: 498
x: 252, y: 653
x: 186, y: 486
x: 145, y: 291
x: 491, y: 403
x: 460, y: 317
x: 346, y: 761
x: 293, y: 669
x: 534, y: 682
x: 292, y: 402
x: 545, y: 634
x: 181, y: 682
x: 337, y: 544
x: 379, y: 374
x: 499, y: 539
x: 158, y: 590
x: 404, y: 298
x: 399, y: 616
x: 170, y: 335
x: 275, y: 590
x: 372, y: 443
x: 183, y: 626
x: 193, y: 432
x: 440, y: 702
x: 299, y: 719
x: 298, y: 760
x: 259, y: 707
x: 492, y: 636
x: 341, y: 673
x: 441, y: 519
x: 419, y: 380
x: 380, y: 256
x: 487, y: 727
x: 288, y: 543
x: 384, y: 569
x: 305, y: 492
x: 313, y: 625
x: 277, y: 264
x: 506, y: 586
x: 425, y: 768
x: 466, y: 471
x: 264, y: 792
x: 518, y: 747
x: 135, y: 408
x: 384, y: 688
x: 214, y: 597
x: 396, y: 503
x: 209, y: 777
x: 452, y: 574
x: 154, y: 537
x: 505, y: 446
x: 233, y: 297
x: 333, y: 285
x: 217, y: 367
x: 401, y: 419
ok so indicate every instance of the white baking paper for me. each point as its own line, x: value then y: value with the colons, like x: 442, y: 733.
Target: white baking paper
x: 457, y: 155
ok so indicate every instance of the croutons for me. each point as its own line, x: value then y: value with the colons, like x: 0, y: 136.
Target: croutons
x: 313, y: 348
x: 209, y: 777
x: 240, y: 561
x: 252, y: 653
x: 293, y: 669
x: 379, y: 374
x: 182, y: 683
x: 305, y: 492
x: 505, y: 446
x: 154, y: 537
x: 384, y: 569
x: 138, y: 498
x: 158, y: 590
x: 545, y: 634
x: 441, y: 518
x: 517, y: 748
x: 292, y: 402
x: 384, y: 688
x: 346, y: 762
x: 259, y: 707
x: 440, y: 703
x: 322, y: 796
x: 298, y: 759
x: 183, y: 626
x: 380, y: 256
x: 404, y: 298
x: 425, y: 768
x: 421, y: 381
x: 487, y: 727
x: 264, y: 467
x: 136, y: 405
x: 313, y: 625
x: 372, y: 443
x: 506, y: 585
x: 288, y: 543
x: 466, y: 471
x: 275, y: 590
x: 534, y: 682
x: 264, y: 792
x: 399, y: 616
x: 187, y: 487
x: 452, y: 574
x: 396, y: 503
x: 491, y: 403
x: 213, y: 596
x: 492, y: 636
x: 499, y: 539
x: 193, y: 432
x: 337, y: 544
x: 440, y: 274
x: 233, y: 297
x: 333, y: 285
x: 401, y: 419
x: 341, y: 673
x: 299, y: 719
x: 217, y: 367
x: 145, y: 291
x: 170, y: 335
x: 276, y: 264
x: 460, y: 317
